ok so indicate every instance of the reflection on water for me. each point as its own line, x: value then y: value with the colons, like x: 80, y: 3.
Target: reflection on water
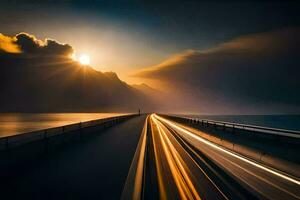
x: 16, y: 123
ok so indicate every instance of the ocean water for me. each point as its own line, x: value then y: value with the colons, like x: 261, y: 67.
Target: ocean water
x: 291, y: 122
x: 17, y: 123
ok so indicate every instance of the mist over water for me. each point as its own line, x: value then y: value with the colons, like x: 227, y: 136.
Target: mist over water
x: 17, y: 123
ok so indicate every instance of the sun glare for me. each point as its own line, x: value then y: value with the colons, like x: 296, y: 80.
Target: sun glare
x: 84, y: 59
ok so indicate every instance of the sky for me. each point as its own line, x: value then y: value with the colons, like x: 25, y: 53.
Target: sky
x: 255, y: 72
x: 207, y: 56
x: 124, y: 36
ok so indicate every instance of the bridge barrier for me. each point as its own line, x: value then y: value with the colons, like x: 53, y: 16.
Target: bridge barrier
x: 135, y: 181
x: 18, y: 148
x: 245, y: 127
x: 262, y: 157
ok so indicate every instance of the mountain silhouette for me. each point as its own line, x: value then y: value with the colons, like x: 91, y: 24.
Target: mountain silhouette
x: 57, y: 84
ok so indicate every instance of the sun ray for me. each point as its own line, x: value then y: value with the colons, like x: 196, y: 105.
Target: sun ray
x: 84, y: 59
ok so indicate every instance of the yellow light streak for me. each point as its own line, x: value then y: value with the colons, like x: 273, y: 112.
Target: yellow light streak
x: 228, y: 152
x: 182, y: 180
x: 137, y: 191
x: 162, y: 189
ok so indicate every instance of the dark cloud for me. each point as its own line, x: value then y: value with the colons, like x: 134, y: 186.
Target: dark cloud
x: 40, y: 76
x: 29, y: 44
x: 253, y: 73
x: 25, y: 43
x: 54, y: 47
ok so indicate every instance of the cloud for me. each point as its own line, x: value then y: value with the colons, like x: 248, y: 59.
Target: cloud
x: 30, y: 44
x: 258, y: 71
x: 25, y: 43
x: 8, y: 44
x: 42, y: 77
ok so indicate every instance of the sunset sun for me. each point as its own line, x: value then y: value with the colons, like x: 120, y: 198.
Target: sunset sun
x: 84, y: 59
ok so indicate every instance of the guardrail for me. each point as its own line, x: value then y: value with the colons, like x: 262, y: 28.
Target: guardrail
x: 258, y: 155
x: 237, y: 126
x: 72, y: 130
x: 17, y: 150
x: 135, y: 181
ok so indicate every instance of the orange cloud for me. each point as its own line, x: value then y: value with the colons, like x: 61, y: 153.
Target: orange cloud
x: 255, y: 46
x: 28, y: 44
x: 8, y: 44
x: 172, y: 61
x: 257, y: 70
x: 270, y: 43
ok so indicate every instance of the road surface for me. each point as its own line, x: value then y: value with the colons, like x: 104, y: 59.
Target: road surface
x: 190, y: 167
x: 93, y: 169
x: 147, y: 158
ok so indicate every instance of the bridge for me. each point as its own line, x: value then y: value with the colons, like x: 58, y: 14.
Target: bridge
x: 151, y: 157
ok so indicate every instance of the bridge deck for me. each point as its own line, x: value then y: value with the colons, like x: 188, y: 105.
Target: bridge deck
x: 93, y: 169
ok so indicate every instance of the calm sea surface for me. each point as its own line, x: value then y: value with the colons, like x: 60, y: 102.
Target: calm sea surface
x: 291, y: 122
x: 16, y: 123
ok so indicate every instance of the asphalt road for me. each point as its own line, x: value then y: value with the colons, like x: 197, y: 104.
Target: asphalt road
x: 93, y: 169
x: 152, y: 159
x: 190, y: 167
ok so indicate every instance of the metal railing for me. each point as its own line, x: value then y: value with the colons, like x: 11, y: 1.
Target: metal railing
x: 9, y: 142
x: 274, y: 159
x: 238, y: 126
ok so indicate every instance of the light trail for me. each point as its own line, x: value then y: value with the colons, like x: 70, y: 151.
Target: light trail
x: 182, y: 180
x: 138, y: 182
x: 134, y: 183
x: 162, y: 189
x: 227, y: 152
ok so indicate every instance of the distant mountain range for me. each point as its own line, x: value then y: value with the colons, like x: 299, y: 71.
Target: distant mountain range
x: 60, y: 85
